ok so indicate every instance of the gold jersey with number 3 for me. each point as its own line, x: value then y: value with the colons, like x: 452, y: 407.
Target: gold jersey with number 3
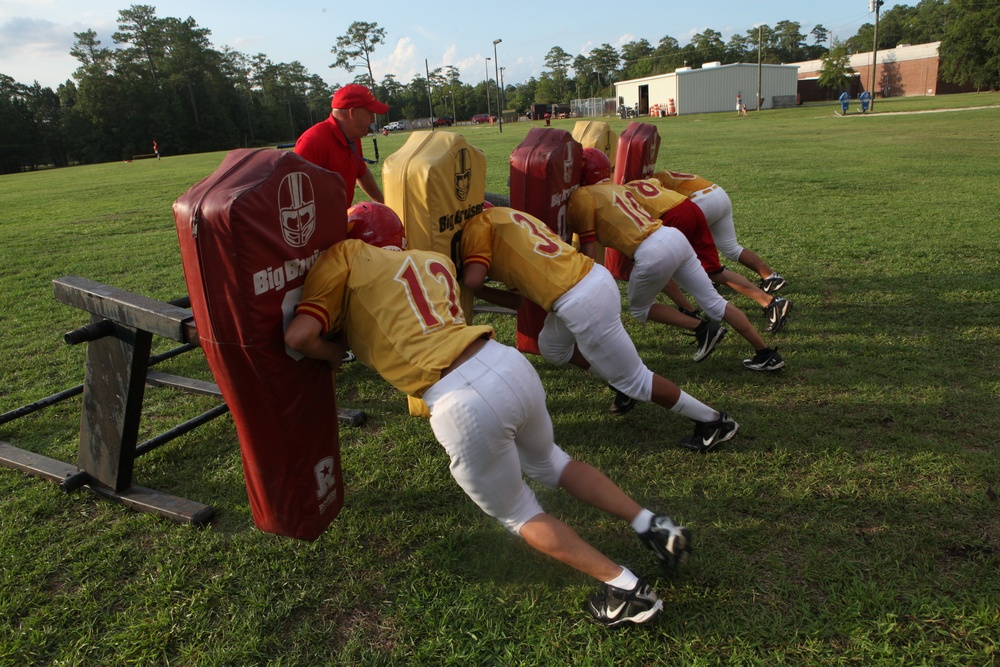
x: 520, y: 251
x: 400, y: 310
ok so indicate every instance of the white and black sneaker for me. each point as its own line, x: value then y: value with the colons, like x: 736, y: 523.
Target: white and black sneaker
x: 668, y: 542
x: 709, y: 435
x: 706, y: 337
x: 772, y: 284
x: 616, y: 606
x: 767, y: 359
x: 776, y: 313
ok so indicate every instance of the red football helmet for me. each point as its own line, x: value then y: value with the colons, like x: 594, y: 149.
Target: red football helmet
x: 377, y: 225
x: 596, y: 167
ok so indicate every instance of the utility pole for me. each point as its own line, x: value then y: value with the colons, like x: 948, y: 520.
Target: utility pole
x: 760, y: 60
x: 496, y: 66
x: 488, y: 104
x: 874, y: 5
x: 430, y: 99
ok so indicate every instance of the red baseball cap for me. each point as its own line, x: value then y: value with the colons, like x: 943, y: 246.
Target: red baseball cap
x: 353, y: 96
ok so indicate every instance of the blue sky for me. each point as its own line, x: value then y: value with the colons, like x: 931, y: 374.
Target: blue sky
x: 36, y: 35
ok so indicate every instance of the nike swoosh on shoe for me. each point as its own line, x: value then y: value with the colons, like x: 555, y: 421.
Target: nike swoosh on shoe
x: 617, y: 612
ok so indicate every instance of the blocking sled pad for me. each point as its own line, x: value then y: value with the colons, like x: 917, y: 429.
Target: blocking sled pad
x: 545, y: 170
x: 248, y: 234
x: 638, y: 148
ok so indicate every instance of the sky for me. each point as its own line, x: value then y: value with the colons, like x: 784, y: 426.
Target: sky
x: 37, y: 35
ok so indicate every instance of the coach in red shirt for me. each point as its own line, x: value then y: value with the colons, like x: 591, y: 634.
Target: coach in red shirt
x: 335, y: 143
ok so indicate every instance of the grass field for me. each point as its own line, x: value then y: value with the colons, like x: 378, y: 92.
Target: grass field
x: 854, y: 519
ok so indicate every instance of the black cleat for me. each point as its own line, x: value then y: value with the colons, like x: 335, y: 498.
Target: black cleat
x: 765, y: 360
x: 773, y: 284
x: 776, y: 313
x: 709, y: 435
x: 616, y: 606
x: 622, y: 404
x: 706, y: 337
x: 668, y: 542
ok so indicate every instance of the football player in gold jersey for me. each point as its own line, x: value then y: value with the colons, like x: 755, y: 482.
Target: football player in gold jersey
x: 400, y: 313
x: 714, y: 202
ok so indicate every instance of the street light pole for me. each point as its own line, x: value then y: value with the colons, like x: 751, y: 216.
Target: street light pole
x: 503, y: 93
x: 488, y: 105
x: 496, y: 65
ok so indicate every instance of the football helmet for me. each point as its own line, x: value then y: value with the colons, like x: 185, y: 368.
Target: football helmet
x: 376, y: 224
x: 596, y: 167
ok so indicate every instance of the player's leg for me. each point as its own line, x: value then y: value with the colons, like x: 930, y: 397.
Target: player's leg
x: 656, y: 261
x: 547, y: 464
x: 591, y: 312
x: 673, y: 291
x: 692, y: 277
x: 740, y: 284
x: 776, y: 308
x: 479, y: 412
x: 654, y: 267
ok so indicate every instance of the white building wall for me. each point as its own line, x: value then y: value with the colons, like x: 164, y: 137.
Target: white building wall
x: 713, y: 88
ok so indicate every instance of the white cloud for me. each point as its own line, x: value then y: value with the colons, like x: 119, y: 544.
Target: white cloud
x: 25, y: 37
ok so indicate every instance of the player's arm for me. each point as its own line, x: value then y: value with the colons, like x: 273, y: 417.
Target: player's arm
x: 474, y: 278
x: 588, y: 248
x: 305, y: 335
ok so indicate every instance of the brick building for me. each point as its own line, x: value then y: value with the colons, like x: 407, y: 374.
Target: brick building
x: 904, y: 71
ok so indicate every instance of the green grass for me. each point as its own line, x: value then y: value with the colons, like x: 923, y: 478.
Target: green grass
x: 854, y: 520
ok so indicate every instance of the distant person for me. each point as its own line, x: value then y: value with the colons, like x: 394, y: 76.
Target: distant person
x: 335, y: 143
x: 156, y: 149
x: 740, y: 109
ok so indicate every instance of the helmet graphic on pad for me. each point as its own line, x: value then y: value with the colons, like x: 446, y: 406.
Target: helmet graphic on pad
x: 596, y: 167
x: 377, y: 225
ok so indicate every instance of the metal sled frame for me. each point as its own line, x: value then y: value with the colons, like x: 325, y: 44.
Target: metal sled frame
x: 118, y: 365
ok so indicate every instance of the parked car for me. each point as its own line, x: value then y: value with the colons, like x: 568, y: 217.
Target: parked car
x: 444, y: 121
x: 481, y: 118
x: 395, y: 125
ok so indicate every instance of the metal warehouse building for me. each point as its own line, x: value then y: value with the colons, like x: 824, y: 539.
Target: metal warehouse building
x: 712, y: 87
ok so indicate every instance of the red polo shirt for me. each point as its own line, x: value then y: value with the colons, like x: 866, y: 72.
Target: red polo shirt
x: 324, y: 144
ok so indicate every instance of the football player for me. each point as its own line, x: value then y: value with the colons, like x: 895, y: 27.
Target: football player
x: 714, y: 202
x: 400, y: 312
x: 614, y: 216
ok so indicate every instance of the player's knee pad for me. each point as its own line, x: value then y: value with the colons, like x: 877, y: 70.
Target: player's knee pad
x: 638, y: 385
x: 731, y: 252
x: 715, y: 309
x: 547, y: 472
x: 555, y: 342
x: 525, y: 509
x: 640, y: 311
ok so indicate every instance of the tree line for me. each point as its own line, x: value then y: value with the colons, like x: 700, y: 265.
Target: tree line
x: 166, y: 81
